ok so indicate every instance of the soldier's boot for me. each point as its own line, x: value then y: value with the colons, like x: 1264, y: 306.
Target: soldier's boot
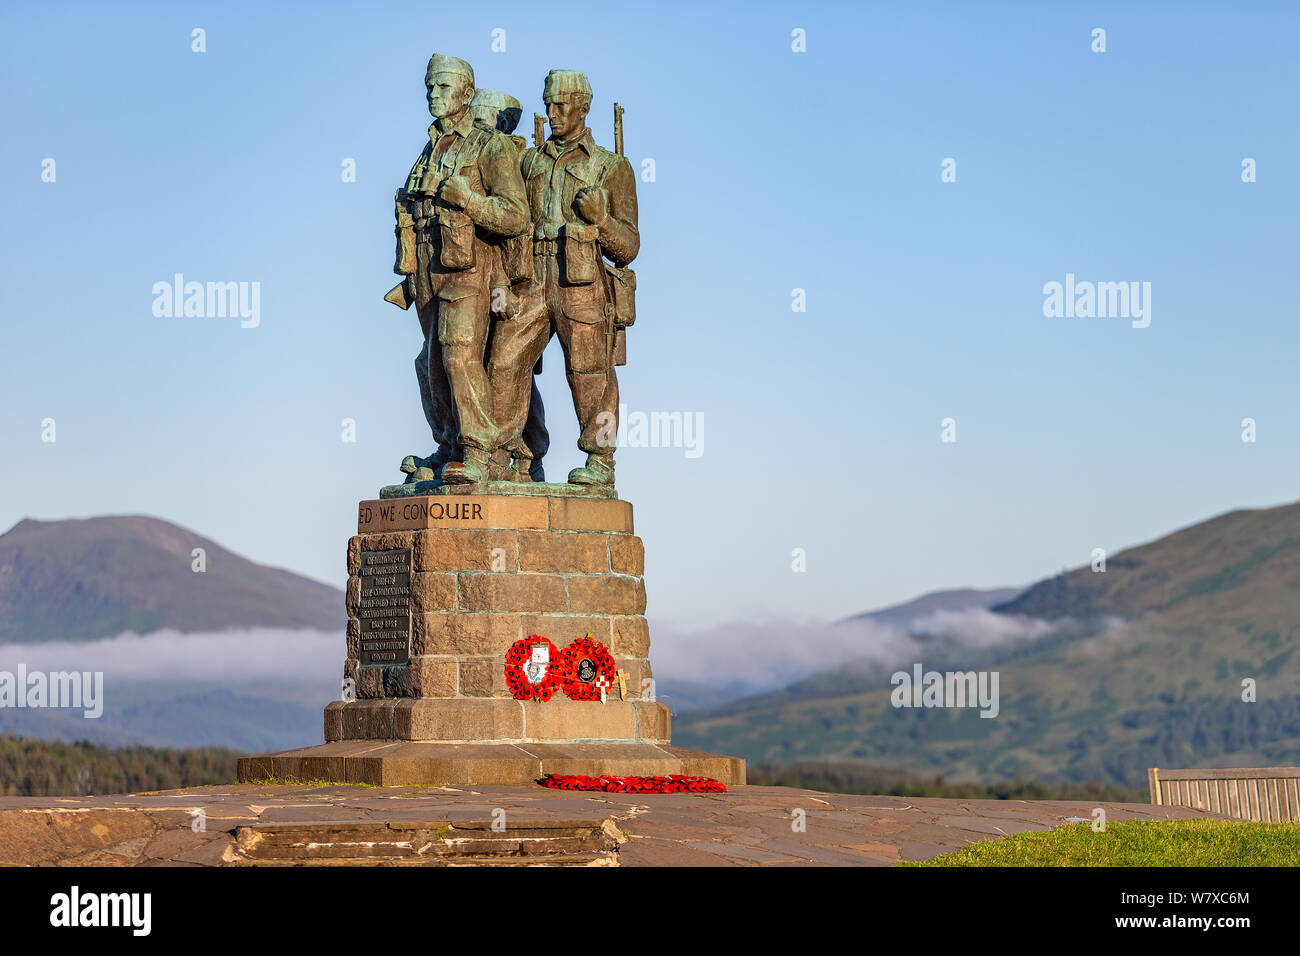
x: 499, y: 469
x: 599, y: 470
x: 521, y: 469
x: 426, y: 469
x: 474, y: 470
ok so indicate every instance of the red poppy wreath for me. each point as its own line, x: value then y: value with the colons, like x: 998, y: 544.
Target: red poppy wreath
x: 533, y: 668
x: 582, y: 665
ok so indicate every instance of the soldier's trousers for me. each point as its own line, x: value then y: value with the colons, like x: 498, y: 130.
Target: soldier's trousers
x: 440, y: 414
x: 436, y: 399
x: 577, y: 315
x: 455, y: 337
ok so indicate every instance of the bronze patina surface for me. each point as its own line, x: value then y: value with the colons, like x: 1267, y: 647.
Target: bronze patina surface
x: 502, y: 247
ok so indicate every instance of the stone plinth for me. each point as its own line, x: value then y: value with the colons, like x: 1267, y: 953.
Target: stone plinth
x: 440, y: 586
x: 428, y: 763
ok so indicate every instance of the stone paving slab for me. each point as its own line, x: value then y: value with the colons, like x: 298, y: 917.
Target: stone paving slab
x: 748, y: 826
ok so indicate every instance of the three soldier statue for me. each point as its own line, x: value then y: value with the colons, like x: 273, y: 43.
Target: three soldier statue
x: 501, y: 247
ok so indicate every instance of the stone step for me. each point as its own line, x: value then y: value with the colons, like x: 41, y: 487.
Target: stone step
x: 417, y: 763
x: 606, y: 858
x: 437, y: 843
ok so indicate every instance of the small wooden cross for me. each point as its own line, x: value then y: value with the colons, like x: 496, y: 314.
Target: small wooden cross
x: 603, y: 683
x: 622, y: 685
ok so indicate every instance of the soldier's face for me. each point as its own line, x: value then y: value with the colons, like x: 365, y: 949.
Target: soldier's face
x: 447, y: 93
x: 566, y: 115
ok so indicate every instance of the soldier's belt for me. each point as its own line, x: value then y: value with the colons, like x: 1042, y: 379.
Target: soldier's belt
x: 546, y: 247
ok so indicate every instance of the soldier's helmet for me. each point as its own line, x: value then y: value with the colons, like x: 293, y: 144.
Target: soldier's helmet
x: 560, y: 83
x: 496, y: 110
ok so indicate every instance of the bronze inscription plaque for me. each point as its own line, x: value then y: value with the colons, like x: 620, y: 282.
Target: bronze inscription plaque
x: 385, y: 608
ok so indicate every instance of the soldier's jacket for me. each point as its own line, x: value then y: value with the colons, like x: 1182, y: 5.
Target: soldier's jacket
x: 459, y: 243
x: 552, y: 180
x: 515, y: 253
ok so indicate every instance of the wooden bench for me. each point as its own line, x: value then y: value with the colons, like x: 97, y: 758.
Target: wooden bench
x: 1265, y: 794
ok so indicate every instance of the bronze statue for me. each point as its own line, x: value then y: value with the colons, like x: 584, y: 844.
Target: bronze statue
x: 502, y: 247
x: 463, y: 196
x: 582, y: 204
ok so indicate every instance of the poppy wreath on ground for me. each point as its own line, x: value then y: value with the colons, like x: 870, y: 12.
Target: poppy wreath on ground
x: 583, y: 662
x: 519, y: 664
x: 672, y: 783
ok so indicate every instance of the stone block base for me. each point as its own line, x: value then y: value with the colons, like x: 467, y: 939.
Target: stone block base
x: 440, y: 586
x: 498, y: 720
x: 421, y: 763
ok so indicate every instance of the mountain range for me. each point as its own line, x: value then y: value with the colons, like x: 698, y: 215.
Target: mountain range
x: 1180, y: 652
x: 91, y: 578
x: 218, y: 659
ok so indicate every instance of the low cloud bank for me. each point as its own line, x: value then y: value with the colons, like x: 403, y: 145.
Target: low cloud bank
x: 753, y: 655
x: 773, y: 653
x: 303, y: 656
x: 980, y: 627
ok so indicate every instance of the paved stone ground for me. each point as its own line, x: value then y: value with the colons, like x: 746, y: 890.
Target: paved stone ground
x: 749, y: 826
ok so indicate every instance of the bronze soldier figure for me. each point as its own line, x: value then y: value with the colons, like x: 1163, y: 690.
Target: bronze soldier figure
x: 582, y: 202
x: 463, y: 195
x: 501, y: 112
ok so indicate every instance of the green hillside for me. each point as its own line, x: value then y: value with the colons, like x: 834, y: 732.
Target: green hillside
x: 79, y: 580
x: 1145, y: 670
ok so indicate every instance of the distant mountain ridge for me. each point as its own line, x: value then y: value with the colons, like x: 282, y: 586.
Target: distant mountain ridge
x: 89, y: 578
x: 839, y: 642
x: 953, y: 599
x: 1255, y: 553
x: 1144, y: 667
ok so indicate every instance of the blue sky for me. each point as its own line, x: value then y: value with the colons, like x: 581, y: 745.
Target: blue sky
x: 775, y: 170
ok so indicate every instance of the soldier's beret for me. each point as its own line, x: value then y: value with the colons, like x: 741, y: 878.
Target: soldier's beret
x: 438, y: 63
x: 561, y: 82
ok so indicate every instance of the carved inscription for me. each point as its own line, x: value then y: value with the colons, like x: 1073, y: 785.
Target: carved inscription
x: 385, y: 608
x: 418, y: 512
x: 453, y: 511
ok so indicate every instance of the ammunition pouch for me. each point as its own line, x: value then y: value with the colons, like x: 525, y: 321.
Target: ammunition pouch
x: 517, y: 258
x: 581, y: 253
x: 456, y: 232
x: 622, y: 283
x: 405, y: 232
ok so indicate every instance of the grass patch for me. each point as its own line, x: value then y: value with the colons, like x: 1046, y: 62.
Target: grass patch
x: 1138, y: 843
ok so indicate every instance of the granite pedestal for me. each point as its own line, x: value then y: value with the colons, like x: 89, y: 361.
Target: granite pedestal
x: 440, y: 586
